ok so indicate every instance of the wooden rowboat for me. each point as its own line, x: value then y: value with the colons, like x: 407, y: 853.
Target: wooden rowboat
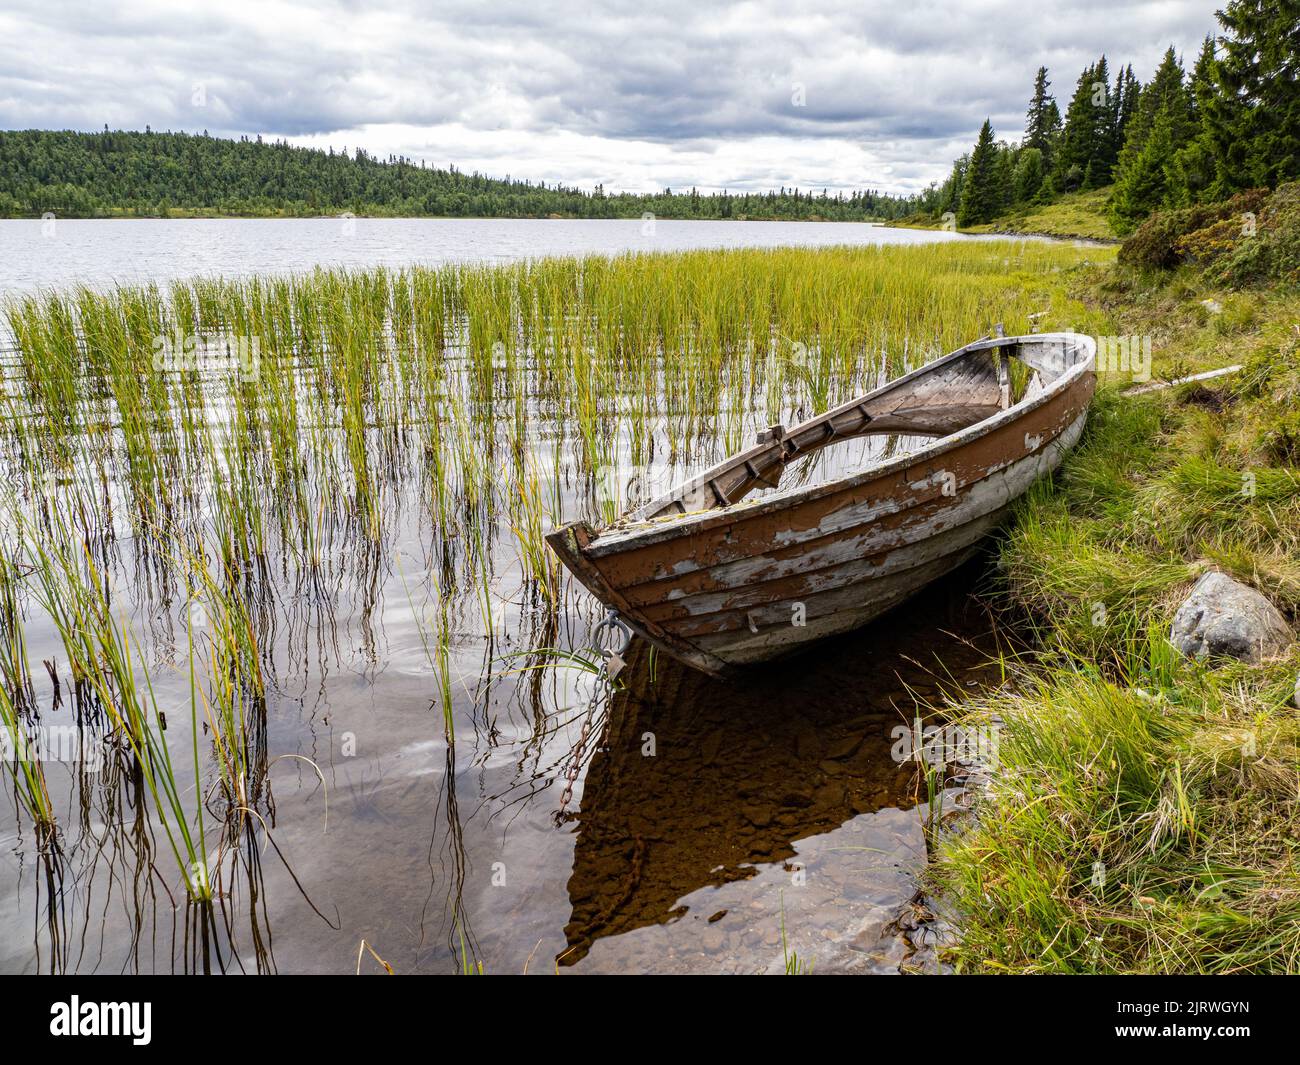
x: 719, y: 581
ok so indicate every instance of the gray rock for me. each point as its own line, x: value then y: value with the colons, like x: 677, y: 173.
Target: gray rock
x: 868, y: 934
x: 1223, y: 617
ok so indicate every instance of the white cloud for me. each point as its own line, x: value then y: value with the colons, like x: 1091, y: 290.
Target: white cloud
x: 632, y: 94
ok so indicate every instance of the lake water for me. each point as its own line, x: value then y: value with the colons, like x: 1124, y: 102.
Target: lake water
x: 99, y: 252
x: 417, y: 804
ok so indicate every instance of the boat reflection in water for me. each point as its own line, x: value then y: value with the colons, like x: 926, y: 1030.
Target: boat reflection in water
x: 709, y: 795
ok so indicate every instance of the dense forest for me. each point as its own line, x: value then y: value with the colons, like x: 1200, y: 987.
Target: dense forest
x: 1182, y: 139
x: 157, y: 174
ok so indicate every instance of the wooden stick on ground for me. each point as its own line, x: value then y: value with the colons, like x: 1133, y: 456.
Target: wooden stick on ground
x: 1156, y: 386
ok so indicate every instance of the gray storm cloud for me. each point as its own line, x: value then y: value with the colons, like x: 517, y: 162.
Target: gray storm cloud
x: 634, y: 95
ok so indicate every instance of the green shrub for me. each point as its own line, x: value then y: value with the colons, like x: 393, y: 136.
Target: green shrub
x: 1155, y: 245
x: 1273, y: 252
x: 1210, y: 243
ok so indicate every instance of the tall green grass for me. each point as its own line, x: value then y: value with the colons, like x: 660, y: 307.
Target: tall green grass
x: 1140, y: 821
x: 1142, y: 818
x: 620, y: 357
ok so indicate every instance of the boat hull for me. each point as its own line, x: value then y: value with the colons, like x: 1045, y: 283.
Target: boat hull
x: 725, y: 588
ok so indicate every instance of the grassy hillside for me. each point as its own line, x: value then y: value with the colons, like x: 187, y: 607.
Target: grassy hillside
x: 1076, y: 215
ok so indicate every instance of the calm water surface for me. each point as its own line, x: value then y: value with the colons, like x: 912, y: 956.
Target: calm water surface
x: 35, y: 254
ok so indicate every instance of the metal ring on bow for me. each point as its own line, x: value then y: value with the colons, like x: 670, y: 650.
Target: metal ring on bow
x: 614, y: 624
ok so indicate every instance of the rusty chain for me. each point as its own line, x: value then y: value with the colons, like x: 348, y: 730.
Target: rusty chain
x: 611, y: 665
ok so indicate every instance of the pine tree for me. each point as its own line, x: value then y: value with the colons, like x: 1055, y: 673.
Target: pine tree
x: 1004, y: 177
x: 1123, y: 104
x: 1137, y: 173
x: 979, y: 200
x: 1200, y: 87
x: 1101, y: 161
x: 1254, y: 117
x: 1029, y: 175
x: 1192, y: 171
x: 1129, y: 96
x: 1165, y: 91
x: 950, y: 193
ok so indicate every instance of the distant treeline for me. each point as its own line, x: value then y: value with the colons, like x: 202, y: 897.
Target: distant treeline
x: 150, y: 174
x: 1233, y: 124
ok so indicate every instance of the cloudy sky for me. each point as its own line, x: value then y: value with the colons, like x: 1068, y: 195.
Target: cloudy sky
x: 635, y: 95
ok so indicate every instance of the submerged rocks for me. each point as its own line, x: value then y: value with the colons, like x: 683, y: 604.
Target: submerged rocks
x: 1225, y: 618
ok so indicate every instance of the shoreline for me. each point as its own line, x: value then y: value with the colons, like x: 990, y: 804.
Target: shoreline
x: 1079, y: 215
x: 187, y: 215
x: 981, y: 231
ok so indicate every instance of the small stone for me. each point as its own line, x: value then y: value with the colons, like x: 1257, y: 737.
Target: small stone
x: 807, y: 745
x: 869, y: 932
x: 1225, y: 618
x: 712, y: 939
x: 844, y: 748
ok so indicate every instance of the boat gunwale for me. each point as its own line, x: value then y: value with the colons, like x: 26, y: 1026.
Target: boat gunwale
x: 614, y: 539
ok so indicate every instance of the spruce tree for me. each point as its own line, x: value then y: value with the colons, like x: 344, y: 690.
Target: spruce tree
x: 1029, y: 175
x: 1165, y: 91
x: 950, y: 192
x: 1081, y: 152
x: 1200, y: 86
x: 1192, y: 171
x: 979, y: 200
x: 1144, y: 184
x: 1123, y: 105
x: 1004, y: 177
x: 1165, y: 98
x: 1044, y: 117
x: 1129, y: 96
x: 1254, y: 118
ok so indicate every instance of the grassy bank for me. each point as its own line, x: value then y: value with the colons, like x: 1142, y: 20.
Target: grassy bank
x: 1076, y: 215
x: 1143, y: 818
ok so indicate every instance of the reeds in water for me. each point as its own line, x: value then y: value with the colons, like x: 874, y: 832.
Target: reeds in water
x: 262, y: 438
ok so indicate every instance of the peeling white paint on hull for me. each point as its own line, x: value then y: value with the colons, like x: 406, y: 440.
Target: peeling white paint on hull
x: 850, y: 597
x: 742, y: 582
